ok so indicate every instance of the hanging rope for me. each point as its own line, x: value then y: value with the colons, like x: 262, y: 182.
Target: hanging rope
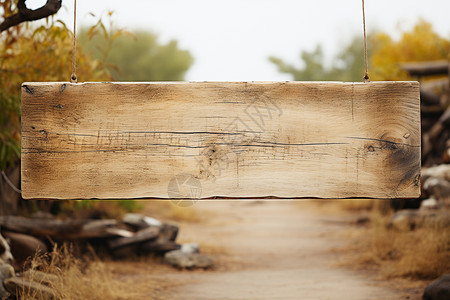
x: 73, y: 77
x: 366, y: 74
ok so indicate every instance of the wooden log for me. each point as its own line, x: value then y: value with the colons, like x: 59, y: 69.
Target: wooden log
x: 41, y: 228
x: 159, y: 246
x: 143, y: 235
x: 427, y: 68
x: 65, y: 230
x: 40, y: 277
x: 234, y: 139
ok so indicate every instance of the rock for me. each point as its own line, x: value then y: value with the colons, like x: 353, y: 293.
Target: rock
x: 190, y: 248
x: 438, y: 289
x: 437, y: 187
x: 429, y: 203
x: 24, y: 246
x: 181, y: 260
x: 6, y: 271
x: 6, y: 256
x: 21, y: 287
x: 440, y: 171
x: 139, y: 221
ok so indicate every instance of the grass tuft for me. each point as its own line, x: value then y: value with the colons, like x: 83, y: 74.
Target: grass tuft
x: 71, y: 278
x: 420, y: 254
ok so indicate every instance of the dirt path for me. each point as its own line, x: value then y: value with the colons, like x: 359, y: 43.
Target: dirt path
x: 271, y: 250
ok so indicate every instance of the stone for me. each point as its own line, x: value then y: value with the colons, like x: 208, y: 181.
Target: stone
x: 181, y: 260
x: 140, y: 221
x: 6, y: 271
x: 437, y: 187
x: 430, y: 203
x: 6, y: 256
x: 438, y: 289
x: 439, y: 171
x: 21, y: 287
x: 190, y: 248
x: 24, y: 246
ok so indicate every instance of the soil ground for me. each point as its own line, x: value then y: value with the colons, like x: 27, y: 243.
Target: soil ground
x: 264, y: 250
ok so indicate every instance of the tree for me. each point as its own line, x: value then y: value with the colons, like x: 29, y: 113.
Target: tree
x: 420, y: 44
x: 16, y: 12
x: 348, y: 65
x: 137, y: 56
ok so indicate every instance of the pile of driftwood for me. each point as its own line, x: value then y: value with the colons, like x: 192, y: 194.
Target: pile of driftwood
x: 435, y: 109
x: 435, y: 121
x: 134, y: 235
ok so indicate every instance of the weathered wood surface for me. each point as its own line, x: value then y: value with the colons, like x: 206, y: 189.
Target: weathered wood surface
x: 234, y: 139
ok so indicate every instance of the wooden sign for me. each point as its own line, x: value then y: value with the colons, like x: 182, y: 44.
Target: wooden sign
x: 220, y: 139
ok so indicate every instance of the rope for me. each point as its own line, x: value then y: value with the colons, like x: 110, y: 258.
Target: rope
x: 10, y: 183
x: 366, y: 74
x: 73, y: 77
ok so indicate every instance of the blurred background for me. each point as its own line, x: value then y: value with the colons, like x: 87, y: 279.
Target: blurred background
x: 232, y: 40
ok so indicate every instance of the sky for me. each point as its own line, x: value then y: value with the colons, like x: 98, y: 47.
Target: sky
x: 232, y: 40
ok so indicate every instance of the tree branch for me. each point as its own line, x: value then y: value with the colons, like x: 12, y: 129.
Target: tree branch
x: 24, y: 14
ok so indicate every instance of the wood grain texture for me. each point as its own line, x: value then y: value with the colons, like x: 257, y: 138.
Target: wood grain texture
x: 220, y: 139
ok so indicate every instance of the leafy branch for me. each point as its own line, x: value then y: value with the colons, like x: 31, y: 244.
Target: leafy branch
x: 25, y: 14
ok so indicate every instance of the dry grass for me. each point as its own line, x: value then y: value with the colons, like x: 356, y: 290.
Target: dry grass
x: 420, y: 254
x: 85, y: 279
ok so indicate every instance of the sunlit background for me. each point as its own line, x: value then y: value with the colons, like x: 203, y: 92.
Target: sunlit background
x: 232, y: 40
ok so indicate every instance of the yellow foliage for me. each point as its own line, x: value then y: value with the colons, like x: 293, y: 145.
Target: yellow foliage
x: 421, y: 44
x: 35, y: 54
x: 44, y: 54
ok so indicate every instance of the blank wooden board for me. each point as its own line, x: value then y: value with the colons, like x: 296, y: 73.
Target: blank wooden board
x: 220, y: 139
